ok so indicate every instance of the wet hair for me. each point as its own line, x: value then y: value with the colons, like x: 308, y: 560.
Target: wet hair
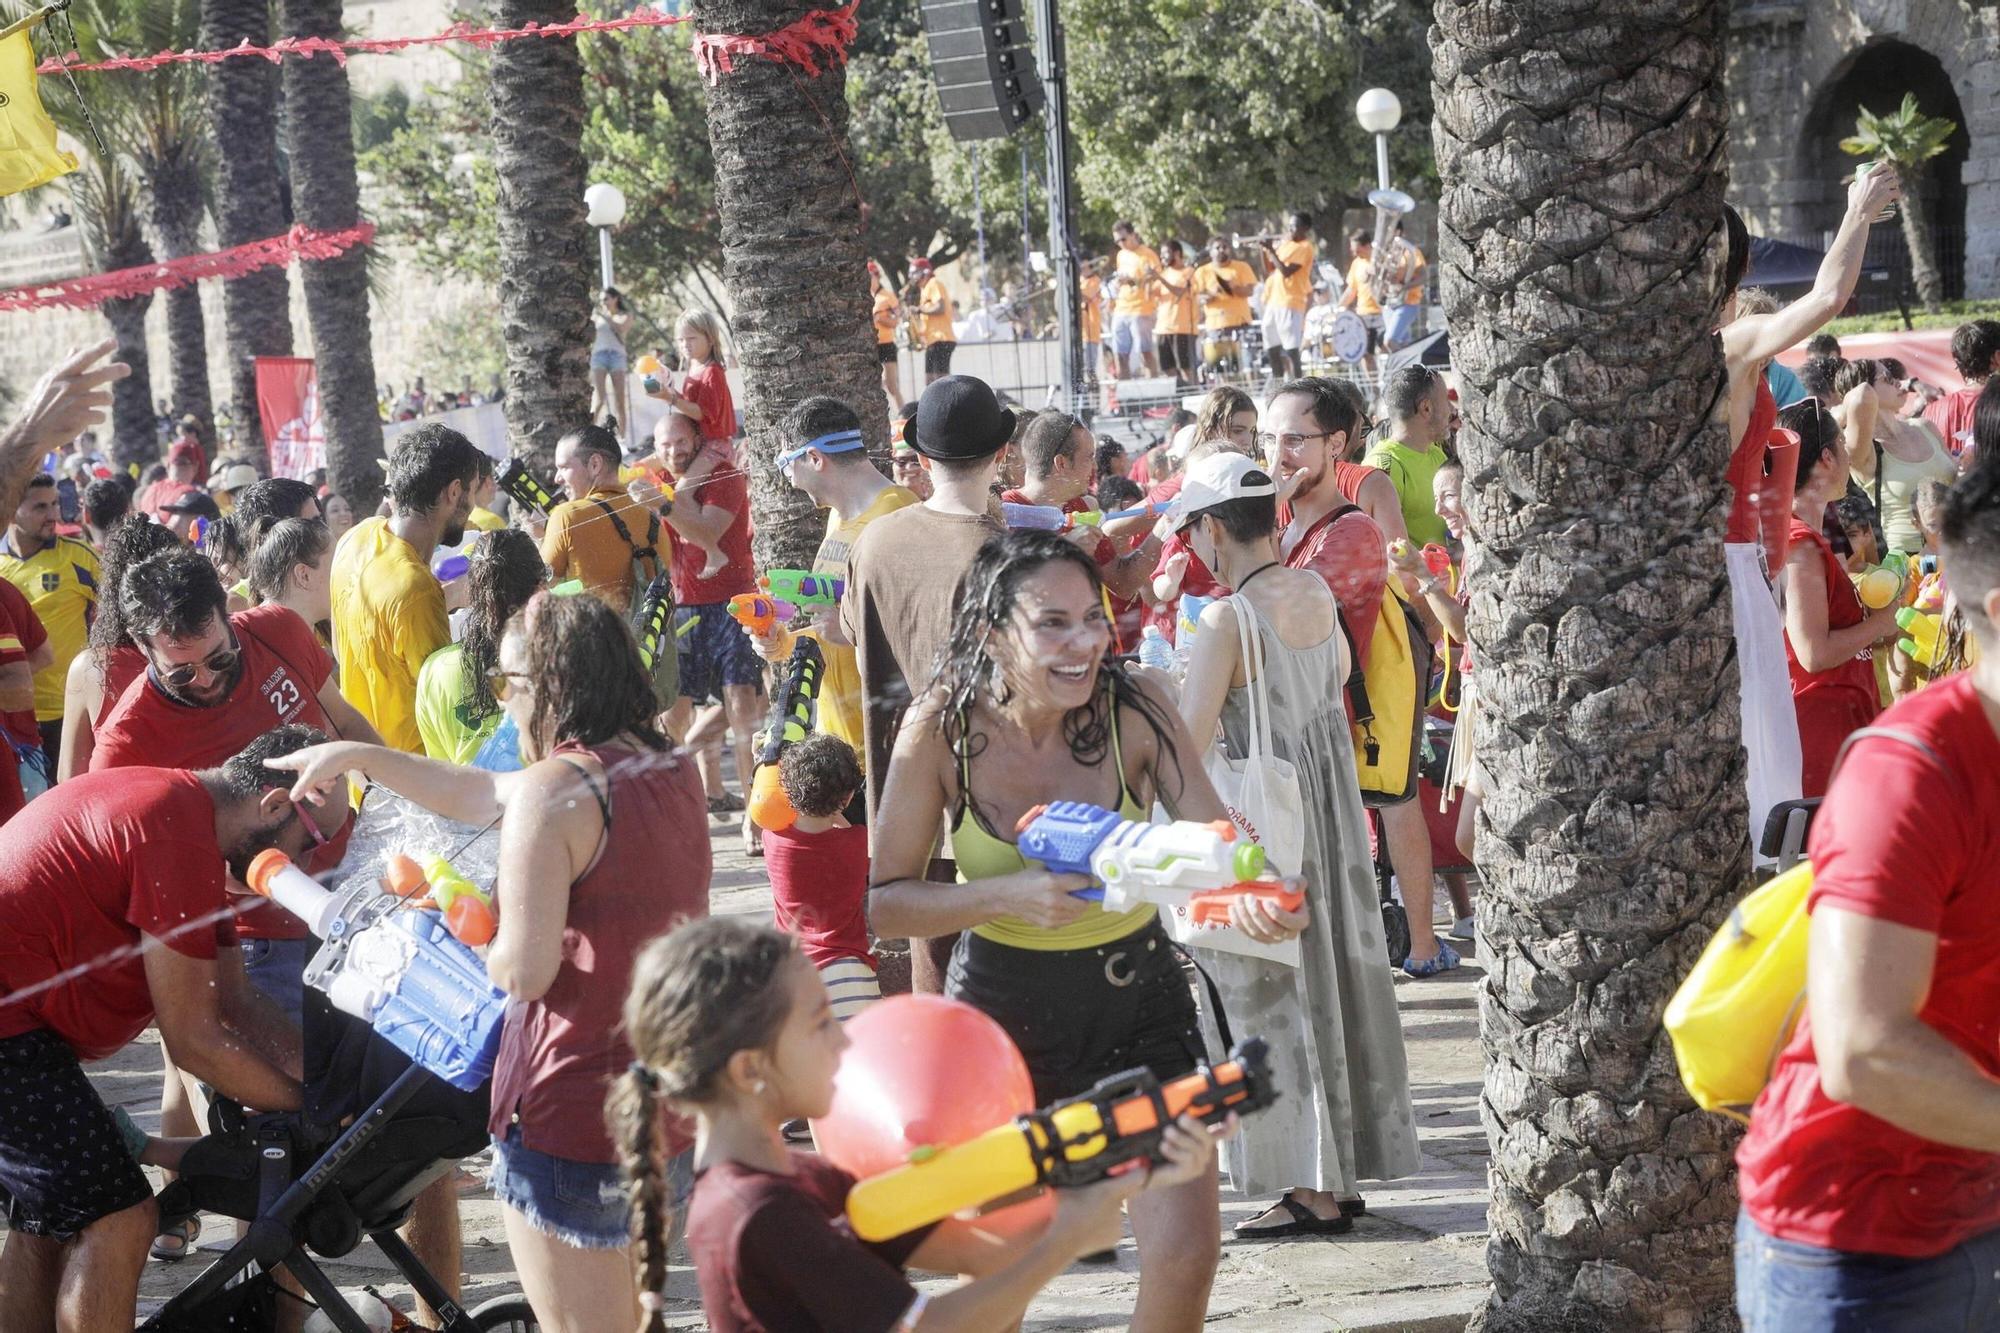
x: 1973, y: 346
x: 106, y: 503
x: 226, y: 544
x: 1116, y: 492
x: 1818, y: 373
x: 816, y: 416
x: 1818, y: 433
x: 1334, y: 406
x: 590, y: 685
x: 699, y: 995
x: 1737, y: 262
x: 247, y: 774
x: 595, y: 439
x: 1248, y: 517
x: 1408, y: 389
x: 176, y: 593
x: 820, y: 773
x: 966, y: 672
x: 425, y: 463
x: 1893, y: 368
x: 135, y: 539
x: 505, y: 571
x: 1855, y: 510
x: 273, y: 498
x: 1050, y: 435
x: 1969, y: 531
x: 1211, y: 417
x: 1853, y: 374
x: 1824, y: 344
x: 281, y: 548
x: 1108, y: 452
x: 706, y: 324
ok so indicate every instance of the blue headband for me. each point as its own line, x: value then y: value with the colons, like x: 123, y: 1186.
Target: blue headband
x: 835, y: 442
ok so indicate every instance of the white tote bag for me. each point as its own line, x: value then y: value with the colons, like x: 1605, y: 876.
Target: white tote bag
x: 1261, y: 792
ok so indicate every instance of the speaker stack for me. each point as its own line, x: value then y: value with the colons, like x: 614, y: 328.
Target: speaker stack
x: 984, y: 64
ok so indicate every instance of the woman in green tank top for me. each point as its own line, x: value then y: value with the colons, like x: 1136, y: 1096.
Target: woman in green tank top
x: 1027, y: 707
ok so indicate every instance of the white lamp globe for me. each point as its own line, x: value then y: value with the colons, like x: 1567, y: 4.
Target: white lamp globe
x: 606, y: 204
x: 1378, y: 111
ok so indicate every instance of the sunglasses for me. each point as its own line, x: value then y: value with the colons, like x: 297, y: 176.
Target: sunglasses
x: 312, y: 825
x: 218, y: 663
x: 498, y: 682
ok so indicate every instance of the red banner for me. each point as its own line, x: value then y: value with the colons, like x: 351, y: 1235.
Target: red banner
x: 288, y: 406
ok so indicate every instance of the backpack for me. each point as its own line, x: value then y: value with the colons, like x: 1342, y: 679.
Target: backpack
x: 1385, y: 697
x: 652, y: 606
x: 1734, y: 1014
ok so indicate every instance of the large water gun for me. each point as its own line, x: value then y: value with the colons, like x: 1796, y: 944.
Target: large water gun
x: 524, y: 487
x: 656, y: 609
x: 1885, y: 584
x: 801, y: 587
x: 394, y: 965
x: 1201, y: 867
x: 759, y: 613
x: 1073, y: 1143
x: 1923, y: 640
x: 450, y: 563
x: 791, y: 716
x: 1051, y: 518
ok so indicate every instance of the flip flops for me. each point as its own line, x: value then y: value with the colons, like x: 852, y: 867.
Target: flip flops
x: 1305, y: 1222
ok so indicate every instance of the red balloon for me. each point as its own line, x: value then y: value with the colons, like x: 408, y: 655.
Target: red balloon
x: 921, y: 1072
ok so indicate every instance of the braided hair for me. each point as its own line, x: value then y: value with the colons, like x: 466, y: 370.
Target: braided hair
x: 699, y: 995
x: 967, y: 673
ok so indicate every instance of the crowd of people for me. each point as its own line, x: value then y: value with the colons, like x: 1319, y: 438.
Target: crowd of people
x: 209, y: 672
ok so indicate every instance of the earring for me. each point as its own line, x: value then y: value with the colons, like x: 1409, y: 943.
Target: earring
x: 758, y: 1087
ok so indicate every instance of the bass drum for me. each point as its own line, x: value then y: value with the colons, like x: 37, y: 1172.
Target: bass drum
x: 1350, y: 337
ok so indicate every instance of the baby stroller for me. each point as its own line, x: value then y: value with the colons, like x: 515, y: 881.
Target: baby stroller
x: 1431, y: 759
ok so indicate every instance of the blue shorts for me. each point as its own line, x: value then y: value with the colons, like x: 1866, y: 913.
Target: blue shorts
x: 1783, y: 1286
x: 584, y: 1204
x: 608, y: 358
x: 715, y: 653
x: 1131, y: 333
x: 277, y: 968
x: 1399, y: 326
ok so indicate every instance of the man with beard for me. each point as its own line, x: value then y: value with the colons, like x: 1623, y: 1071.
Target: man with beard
x: 388, y: 608
x: 114, y: 914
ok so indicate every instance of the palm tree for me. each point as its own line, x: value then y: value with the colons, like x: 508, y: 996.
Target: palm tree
x: 1910, y: 139
x: 243, y: 116
x: 1580, y: 150
x: 792, y: 257
x: 327, y: 197
x: 106, y: 202
x: 536, y: 100
x: 153, y: 119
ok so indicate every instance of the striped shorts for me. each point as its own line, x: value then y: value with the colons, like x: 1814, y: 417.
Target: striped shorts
x: 850, y: 986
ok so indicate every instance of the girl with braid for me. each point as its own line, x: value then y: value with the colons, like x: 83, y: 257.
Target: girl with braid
x: 730, y: 1021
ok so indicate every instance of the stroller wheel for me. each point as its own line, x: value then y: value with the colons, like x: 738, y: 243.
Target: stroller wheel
x: 1396, y: 925
x: 506, y: 1314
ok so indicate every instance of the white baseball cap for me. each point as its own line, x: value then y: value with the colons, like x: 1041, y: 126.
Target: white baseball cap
x: 1215, y: 480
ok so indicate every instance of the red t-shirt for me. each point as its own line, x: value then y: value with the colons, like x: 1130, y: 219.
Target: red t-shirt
x: 1951, y: 413
x: 1831, y: 703
x: 774, y: 1253
x: 158, y: 495
x: 1898, y: 842
x: 819, y: 885
x: 731, y: 490
x: 1347, y: 479
x: 1347, y: 549
x: 707, y: 387
x: 124, y: 665
x: 21, y: 633
x: 119, y: 856
x: 284, y: 669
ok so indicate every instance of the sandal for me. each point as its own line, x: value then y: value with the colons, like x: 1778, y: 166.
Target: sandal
x: 1446, y: 960
x: 176, y: 1240
x: 1305, y: 1222
x: 1354, y: 1207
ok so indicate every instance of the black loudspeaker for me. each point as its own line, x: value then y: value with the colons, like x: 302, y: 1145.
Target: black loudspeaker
x: 985, y: 66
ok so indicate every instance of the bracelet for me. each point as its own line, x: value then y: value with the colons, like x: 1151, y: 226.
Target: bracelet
x: 1428, y: 586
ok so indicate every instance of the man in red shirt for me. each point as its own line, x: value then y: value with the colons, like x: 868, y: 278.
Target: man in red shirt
x: 1975, y: 350
x: 115, y: 913
x: 183, y: 466
x: 24, y: 650
x: 1870, y: 1177
x: 215, y: 682
x: 1058, y: 454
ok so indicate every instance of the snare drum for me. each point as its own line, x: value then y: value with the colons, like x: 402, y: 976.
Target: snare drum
x: 1350, y: 337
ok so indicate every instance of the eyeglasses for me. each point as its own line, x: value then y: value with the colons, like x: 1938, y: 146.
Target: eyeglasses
x: 218, y: 663
x: 497, y: 681
x: 1268, y: 442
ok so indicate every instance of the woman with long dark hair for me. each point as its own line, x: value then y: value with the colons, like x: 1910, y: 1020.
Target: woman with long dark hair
x: 1028, y: 707
x: 457, y: 711
x: 603, y: 846
x: 96, y: 678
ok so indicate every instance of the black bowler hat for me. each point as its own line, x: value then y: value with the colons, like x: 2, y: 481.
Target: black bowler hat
x: 959, y: 418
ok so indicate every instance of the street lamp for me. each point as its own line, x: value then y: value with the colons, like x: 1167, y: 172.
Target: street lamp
x: 607, y: 209
x: 1379, y: 112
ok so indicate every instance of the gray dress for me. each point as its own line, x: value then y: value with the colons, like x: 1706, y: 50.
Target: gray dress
x: 1343, y: 1114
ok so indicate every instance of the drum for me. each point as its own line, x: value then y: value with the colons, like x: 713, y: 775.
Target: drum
x: 1350, y: 337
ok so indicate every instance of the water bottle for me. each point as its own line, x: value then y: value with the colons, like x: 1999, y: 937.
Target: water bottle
x: 1154, y: 651
x: 1187, y: 621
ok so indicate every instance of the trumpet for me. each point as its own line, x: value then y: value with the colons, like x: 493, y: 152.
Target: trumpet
x: 1239, y: 240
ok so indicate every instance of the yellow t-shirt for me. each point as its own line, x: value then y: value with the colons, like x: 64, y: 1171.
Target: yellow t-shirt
x: 1359, y: 277
x: 840, y: 691
x: 1225, y: 310
x: 1176, y: 311
x: 1295, y: 291
x: 60, y: 583
x: 388, y: 617
x: 1414, y: 294
x: 885, y: 317
x: 937, y: 328
x: 582, y: 543
x: 484, y: 520
x: 1136, y: 292
x: 1092, y: 315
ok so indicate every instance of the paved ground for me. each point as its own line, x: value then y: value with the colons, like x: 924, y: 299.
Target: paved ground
x: 1416, y: 1262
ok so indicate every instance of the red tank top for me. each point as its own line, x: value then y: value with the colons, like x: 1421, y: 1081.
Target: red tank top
x: 1762, y: 477
x: 1843, y: 608
x: 559, y: 1054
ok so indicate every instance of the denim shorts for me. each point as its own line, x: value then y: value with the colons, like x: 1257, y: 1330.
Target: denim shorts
x: 1132, y: 334
x: 584, y: 1204
x: 608, y: 358
x: 277, y: 968
x: 1784, y: 1286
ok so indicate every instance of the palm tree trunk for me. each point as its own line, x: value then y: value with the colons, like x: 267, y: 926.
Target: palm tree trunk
x: 1920, y: 236
x: 327, y: 197
x: 106, y: 200
x: 1580, y: 150
x: 243, y: 112
x: 792, y: 258
x: 546, y: 279
x: 174, y: 208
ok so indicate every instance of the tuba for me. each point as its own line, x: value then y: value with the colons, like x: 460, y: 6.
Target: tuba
x: 1387, y: 275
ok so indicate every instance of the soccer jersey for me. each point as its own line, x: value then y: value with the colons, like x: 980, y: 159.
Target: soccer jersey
x: 60, y: 583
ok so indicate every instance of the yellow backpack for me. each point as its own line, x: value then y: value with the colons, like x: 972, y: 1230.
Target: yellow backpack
x: 1386, y: 695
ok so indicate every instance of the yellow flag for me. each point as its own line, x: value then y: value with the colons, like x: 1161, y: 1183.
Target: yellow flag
x: 28, y: 152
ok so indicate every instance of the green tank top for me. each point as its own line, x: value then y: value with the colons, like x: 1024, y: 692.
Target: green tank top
x: 984, y: 855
